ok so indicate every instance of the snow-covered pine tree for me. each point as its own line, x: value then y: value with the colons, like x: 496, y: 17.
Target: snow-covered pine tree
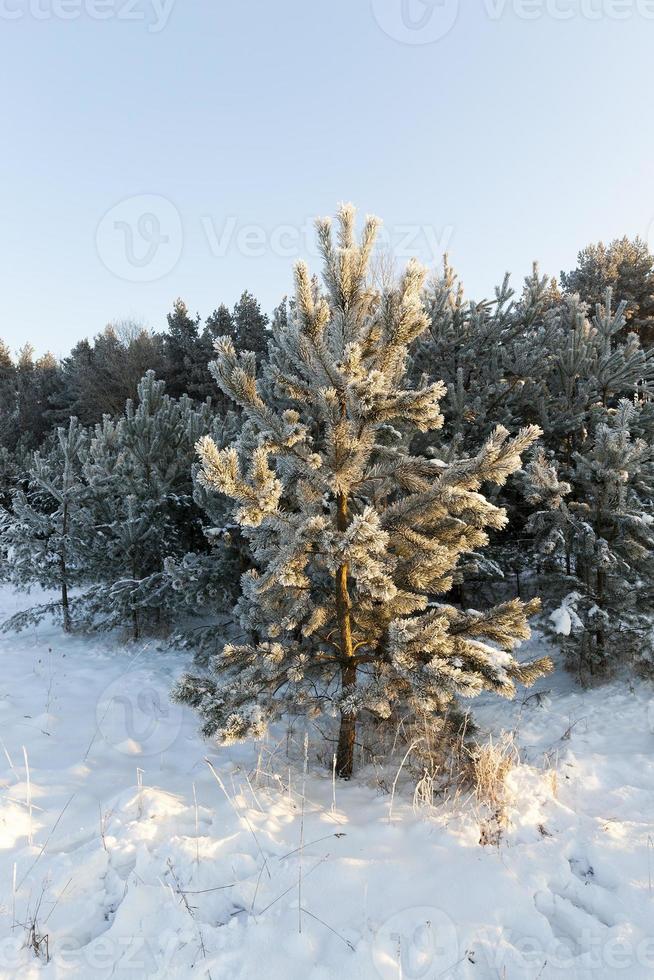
x: 8, y: 476
x: 45, y: 531
x: 627, y: 268
x: 587, y: 365
x: 352, y: 536
x: 588, y: 488
x: 487, y: 353
x: 8, y: 397
x: 186, y: 371
x: 543, y: 360
x: 139, y: 472
x: 250, y: 326
x: 491, y: 355
x: 205, y: 581
x: 602, y: 524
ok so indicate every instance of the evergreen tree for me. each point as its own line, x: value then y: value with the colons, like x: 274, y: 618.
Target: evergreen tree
x: 627, y: 268
x: 99, y: 377
x: 489, y: 355
x: 45, y: 532
x: 8, y: 397
x: 352, y: 536
x: 591, y: 371
x: 250, y: 326
x: 9, y: 472
x: 602, y: 520
x: 281, y: 313
x: 538, y: 360
x: 27, y: 388
x: 205, y: 581
x: 138, y: 468
x: 219, y: 324
x: 186, y: 372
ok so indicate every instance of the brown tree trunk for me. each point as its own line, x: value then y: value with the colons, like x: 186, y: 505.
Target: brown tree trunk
x: 347, y: 733
x: 346, y: 743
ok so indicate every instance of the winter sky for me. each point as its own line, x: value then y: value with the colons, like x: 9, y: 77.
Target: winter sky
x: 163, y: 148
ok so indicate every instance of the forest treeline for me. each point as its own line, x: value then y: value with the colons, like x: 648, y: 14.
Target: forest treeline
x: 99, y: 375
x: 383, y: 407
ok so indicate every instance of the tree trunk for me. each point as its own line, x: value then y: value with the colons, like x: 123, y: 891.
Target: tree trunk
x: 136, y: 632
x: 458, y: 594
x: 346, y: 743
x: 600, y: 640
x: 347, y: 733
x: 604, y: 530
x: 65, y: 607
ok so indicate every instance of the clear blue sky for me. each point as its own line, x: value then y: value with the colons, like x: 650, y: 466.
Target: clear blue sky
x: 509, y: 139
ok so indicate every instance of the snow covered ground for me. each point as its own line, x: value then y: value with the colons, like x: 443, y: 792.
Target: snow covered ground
x: 123, y: 855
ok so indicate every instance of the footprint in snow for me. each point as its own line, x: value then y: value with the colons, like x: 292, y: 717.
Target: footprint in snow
x: 579, y: 911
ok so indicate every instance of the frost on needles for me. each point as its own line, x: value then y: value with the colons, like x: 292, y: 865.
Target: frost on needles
x: 353, y: 538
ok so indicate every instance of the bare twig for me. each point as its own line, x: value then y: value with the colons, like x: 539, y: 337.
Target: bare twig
x: 301, y: 847
x: 327, y: 926
x: 190, y: 912
x: 397, y: 774
x: 47, y: 840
